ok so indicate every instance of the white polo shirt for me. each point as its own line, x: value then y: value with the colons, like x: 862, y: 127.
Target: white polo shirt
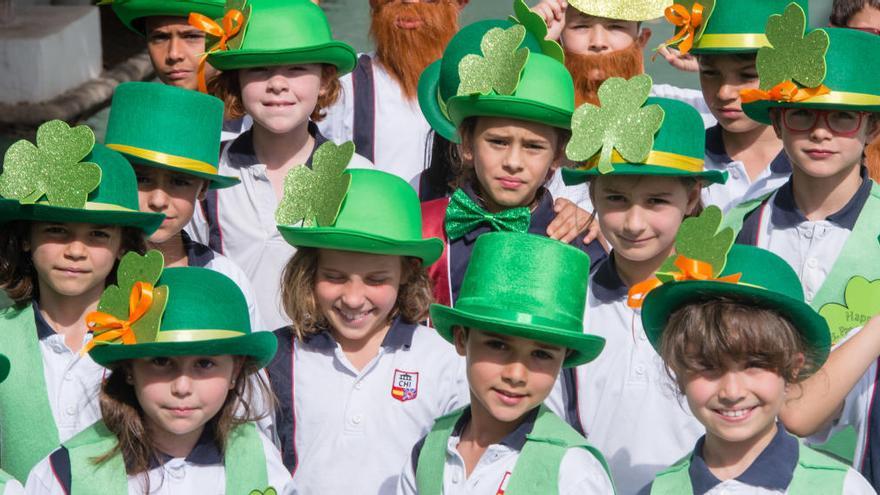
x: 626, y: 404
x: 345, y: 430
x: 580, y: 472
x: 13, y: 487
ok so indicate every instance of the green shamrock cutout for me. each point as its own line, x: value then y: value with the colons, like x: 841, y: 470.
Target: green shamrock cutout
x: 51, y: 168
x: 621, y: 123
x: 862, y: 302
x: 793, y: 56
x: 315, y: 195
x: 699, y: 238
x: 535, y: 24
x: 268, y: 491
x: 135, y: 268
x: 500, y: 66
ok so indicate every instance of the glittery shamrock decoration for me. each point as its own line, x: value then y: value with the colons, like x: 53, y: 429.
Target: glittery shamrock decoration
x: 793, y: 55
x: 535, y: 24
x: 52, y: 168
x: 315, y: 195
x: 268, y: 491
x: 699, y: 238
x: 500, y: 66
x: 862, y: 302
x: 621, y: 123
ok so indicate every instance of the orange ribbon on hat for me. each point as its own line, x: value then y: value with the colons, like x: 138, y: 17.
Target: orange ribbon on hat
x: 785, y: 91
x: 678, y: 15
x: 232, y: 23
x: 108, y: 328
x: 691, y: 269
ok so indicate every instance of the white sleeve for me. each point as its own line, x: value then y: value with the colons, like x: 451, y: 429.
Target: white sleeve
x: 461, y: 395
x: 580, y: 472
x: 338, y: 122
x: 13, y: 487
x: 198, y: 227
x: 557, y: 399
x: 577, y: 194
x: 358, y: 161
x: 406, y: 482
x: 279, y: 476
x: 856, y: 484
x: 227, y: 267
x: 42, y: 481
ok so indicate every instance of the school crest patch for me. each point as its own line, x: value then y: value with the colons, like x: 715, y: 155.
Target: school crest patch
x: 504, y: 482
x: 405, y: 385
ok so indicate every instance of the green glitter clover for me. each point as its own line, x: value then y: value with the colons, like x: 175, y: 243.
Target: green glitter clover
x: 268, y: 491
x: 621, y: 123
x: 535, y: 24
x: 315, y: 195
x: 862, y: 302
x: 500, y: 66
x: 135, y: 268
x: 699, y: 238
x: 793, y: 56
x: 52, y: 168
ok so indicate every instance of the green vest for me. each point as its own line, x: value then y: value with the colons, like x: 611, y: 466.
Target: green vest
x: 536, y: 469
x: 245, y: 462
x: 814, y: 473
x: 27, y: 428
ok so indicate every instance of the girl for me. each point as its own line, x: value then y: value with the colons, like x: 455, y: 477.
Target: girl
x: 174, y: 418
x: 359, y: 381
x: 75, y: 213
x: 281, y: 68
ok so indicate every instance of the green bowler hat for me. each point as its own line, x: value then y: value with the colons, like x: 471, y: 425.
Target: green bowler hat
x: 168, y: 127
x: 509, y: 288
x: 766, y: 281
x: 281, y: 32
x: 133, y: 12
x: 736, y: 26
x: 67, y: 177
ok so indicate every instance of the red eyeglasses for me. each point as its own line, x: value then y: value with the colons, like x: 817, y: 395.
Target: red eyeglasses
x: 840, y: 122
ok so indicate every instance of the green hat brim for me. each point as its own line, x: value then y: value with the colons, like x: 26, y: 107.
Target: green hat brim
x: 147, y: 222
x: 259, y: 345
x: 428, y: 92
x: 666, y: 299
x: 335, y: 53
x: 131, y: 12
x: 215, y: 181
x: 759, y: 111
x: 729, y: 50
x: 572, y: 176
x: 463, y: 107
x: 428, y: 250
x: 583, y: 347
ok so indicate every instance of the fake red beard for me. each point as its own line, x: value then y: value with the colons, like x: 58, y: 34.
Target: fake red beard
x: 589, y: 71
x: 410, y: 36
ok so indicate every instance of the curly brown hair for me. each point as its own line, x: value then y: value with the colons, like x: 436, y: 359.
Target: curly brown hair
x: 414, y: 296
x: 227, y: 87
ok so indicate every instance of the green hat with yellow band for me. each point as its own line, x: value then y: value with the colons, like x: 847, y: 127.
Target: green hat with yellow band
x: 824, y: 69
x: 633, y: 134
x: 159, y: 312
x: 132, y: 13
x: 66, y: 177
x: 166, y: 127
x: 624, y: 10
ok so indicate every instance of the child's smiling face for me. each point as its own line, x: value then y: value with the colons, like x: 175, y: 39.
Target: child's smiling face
x: 281, y: 98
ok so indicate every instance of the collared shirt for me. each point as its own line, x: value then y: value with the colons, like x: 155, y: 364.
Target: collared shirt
x: 236, y: 127
x: 770, y: 473
x: 201, y: 471
x: 739, y: 188
x: 345, y: 430
x: 810, y: 247
x: 626, y: 404
x: 13, y: 487
x: 579, y: 472
x: 239, y: 222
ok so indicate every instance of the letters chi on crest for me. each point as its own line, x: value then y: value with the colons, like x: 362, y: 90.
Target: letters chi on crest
x: 405, y: 385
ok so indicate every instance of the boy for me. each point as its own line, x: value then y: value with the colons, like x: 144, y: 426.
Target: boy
x: 506, y: 441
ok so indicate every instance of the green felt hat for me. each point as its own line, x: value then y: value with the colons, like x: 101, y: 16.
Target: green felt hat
x: 651, y: 136
x: 361, y: 210
x: 67, y: 177
x: 766, y: 281
x: 181, y: 321
x: 282, y: 32
x: 626, y: 10
x: 4, y: 367
x: 133, y: 12
x: 510, y: 288
x: 168, y: 127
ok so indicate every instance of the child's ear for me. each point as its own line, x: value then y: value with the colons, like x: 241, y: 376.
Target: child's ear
x: 799, y: 360
x: 203, y: 190
x: 873, y: 127
x: 644, y: 36
x: 694, y: 197
x: 459, y: 337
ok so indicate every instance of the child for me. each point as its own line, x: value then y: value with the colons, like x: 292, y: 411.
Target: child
x: 738, y: 347
x: 513, y: 131
x: 281, y: 67
x: 173, y: 417
x: 8, y: 484
x: 516, y: 337
x: 73, y: 209
x: 173, y: 143
x: 359, y: 381
x: 640, y: 200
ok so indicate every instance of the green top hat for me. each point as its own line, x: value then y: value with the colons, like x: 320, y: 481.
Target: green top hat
x: 282, y: 32
x: 356, y: 210
x: 177, y: 130
x: 830, y: 68
x: 510, y: 288
x: 133, y: 12
x: 632, y: 134
x: 67, y: 177
x: 625, y: 10
x: 155, y: 312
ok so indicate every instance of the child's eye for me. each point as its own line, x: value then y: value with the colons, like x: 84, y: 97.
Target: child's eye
x: 143, y: 179
x: 333, y: 277
x: 376, y: 280
x: 181, y: 182
x: 101, y: 234
x: 55, y: 230
x: 497, y: 142
x: 657, y: 201
x: 205, y: 363
x: 496, y: 345
x: 542, y: 355
x: 615, y: 198
x: 709, y: 73
x: 160, y: 362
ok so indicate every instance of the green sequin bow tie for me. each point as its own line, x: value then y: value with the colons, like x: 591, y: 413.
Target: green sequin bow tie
x: 464, y: 215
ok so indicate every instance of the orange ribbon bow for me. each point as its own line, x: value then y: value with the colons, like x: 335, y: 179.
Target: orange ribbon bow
x: 108, y: 328
x: 691, y: 269
x: 785, y: 91
x: 232, y: 23
x: 678, y: 15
